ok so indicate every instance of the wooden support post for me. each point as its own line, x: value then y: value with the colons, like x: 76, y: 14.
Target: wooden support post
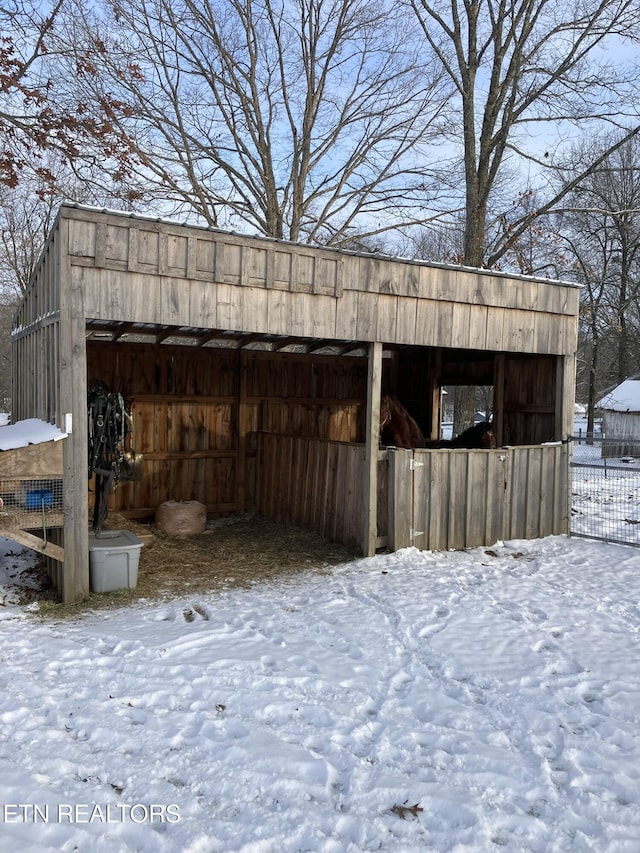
x: 564, y: 427
x: 434, y: 371
x: 498, y: 398
x: 565, y: 397
x: 243, y: 429
x: 370, y: 510
x: 73, y: 400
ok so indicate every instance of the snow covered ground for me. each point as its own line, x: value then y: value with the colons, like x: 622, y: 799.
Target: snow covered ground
x: 459, y: 701
x: 415, y: 701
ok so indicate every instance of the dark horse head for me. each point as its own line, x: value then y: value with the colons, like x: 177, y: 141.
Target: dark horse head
x: 478, y: 437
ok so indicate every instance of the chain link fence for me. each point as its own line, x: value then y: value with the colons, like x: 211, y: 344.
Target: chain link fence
x: 605, y: 490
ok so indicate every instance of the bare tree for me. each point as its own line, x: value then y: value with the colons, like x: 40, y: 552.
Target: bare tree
x: 26, y: 118
x: 27, y: 212
x: 7, y: 310
x: 26, y: 217
x: 38, y: 115
x: 304, y: 119
x: 601, y: 231
x: 438, y: 242
x: 526, y: 73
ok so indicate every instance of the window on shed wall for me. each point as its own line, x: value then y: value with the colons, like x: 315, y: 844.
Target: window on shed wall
x: 463, y: 406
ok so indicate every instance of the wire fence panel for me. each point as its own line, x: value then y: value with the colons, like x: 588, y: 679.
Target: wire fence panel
x: 605, y: 493
x: 31, y: 504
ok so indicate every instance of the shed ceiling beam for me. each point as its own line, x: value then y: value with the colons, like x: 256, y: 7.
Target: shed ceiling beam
x: 352, y: 347
x: 101, y: 329
x: 211, y: 335
x: 285, y: 342
x: 318, y: 345
x: 249, y: 339
x: 167, y: 333
x: 123, y: 329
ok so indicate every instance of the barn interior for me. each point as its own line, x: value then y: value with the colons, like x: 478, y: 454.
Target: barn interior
x: 201, y: 399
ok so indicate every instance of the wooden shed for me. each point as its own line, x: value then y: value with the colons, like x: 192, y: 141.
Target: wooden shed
x: 620, y: 409
x: 255, y: 370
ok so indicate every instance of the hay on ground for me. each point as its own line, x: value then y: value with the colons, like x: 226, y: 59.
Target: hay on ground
x: 232, y: 552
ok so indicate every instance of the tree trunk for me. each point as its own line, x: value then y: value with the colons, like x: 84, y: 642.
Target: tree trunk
x: 464, y: 408
x: 591, y: 401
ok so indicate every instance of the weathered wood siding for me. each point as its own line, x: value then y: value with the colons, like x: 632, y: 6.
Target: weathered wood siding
x: 156, y: 272
x: 431, y: 499
x: 36, y: 343
x: 538, y: 484
x: 33, y: 462
x: 464, y: 499
x: 528, y: 399
x: 49, y: 382
x: 313, y: 484
x: 621, y: 431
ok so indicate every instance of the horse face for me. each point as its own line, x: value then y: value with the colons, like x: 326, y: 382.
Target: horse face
x: 489, y: 438
x: 385, y: 412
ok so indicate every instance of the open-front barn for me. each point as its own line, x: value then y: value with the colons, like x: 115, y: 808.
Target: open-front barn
x: 254, y: 370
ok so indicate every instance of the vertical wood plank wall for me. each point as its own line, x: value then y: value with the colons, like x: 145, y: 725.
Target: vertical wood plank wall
x: 36, y: 343
x: 313, y: 484
x: 626, y: 427
x: 452, y: 499
x: 163, y: 273
x: 529, y: 400
x: 469, y: 498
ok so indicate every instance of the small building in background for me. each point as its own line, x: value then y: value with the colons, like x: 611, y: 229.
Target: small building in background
x: 620, y: 410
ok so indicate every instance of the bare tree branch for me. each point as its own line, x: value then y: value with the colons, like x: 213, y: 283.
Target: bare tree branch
x: 518, y: 66
x: 301, y: 118
x: 36, y: 116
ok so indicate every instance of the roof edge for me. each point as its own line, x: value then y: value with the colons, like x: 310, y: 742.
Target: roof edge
x: 69, y: 205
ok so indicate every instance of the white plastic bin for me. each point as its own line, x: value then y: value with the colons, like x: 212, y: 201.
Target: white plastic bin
x: 113, y: 560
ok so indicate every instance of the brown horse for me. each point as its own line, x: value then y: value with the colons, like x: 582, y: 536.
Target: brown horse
x: 398, y: 425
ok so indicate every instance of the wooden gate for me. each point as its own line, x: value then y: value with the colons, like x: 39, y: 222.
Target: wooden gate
x: 451, y: 499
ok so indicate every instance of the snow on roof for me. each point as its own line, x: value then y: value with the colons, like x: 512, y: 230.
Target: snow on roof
x: 30, y: 431
x: 624, y: 398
